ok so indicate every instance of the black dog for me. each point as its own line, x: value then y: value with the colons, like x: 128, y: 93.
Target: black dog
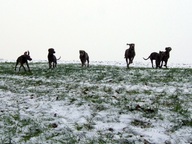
x: 165, y: 56
x: 155, y: 56
x: 52, y: 58
x: 22, y: 60
x: 84, y: 57
x: 130, y: 54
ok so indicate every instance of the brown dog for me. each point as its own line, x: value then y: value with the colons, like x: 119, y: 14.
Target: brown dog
x: 52, y: 58
x: 130, y: 54
x: 165, y: 56
x: 84, y: 57
x: 155, y: 56
x: 23, y: 59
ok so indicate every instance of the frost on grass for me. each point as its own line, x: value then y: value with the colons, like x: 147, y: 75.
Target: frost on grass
x: 100, y: 104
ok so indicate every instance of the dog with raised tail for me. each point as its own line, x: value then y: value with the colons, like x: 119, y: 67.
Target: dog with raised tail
x: 157, y: 57
x: 23, y: 59
x: 52, y: 60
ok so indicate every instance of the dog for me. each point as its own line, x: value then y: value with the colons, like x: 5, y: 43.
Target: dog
x: 130, y: 54
x: 23, y: 59
x: 84, y: 57
x: 165, y: 56
x: 52, y: 60
x: 155, y: 56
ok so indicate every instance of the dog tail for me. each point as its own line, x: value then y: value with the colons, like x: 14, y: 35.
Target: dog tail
x: 59, y: 58
x: 146, y: 58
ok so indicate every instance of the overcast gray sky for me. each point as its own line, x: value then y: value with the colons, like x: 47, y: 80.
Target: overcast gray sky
x: 100, y: 27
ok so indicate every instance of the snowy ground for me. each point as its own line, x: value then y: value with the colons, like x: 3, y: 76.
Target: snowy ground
x: 145, y: 64
x: 105, y: 103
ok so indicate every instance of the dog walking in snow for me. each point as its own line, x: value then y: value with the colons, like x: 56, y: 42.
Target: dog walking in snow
x: 52, y: 60
x: 130, y: 54
x: 157, y: 57
x: 84, y: 57
x: 165, y: 56
x: 23, y: 59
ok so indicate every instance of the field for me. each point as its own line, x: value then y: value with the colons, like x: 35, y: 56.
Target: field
x: 100, y: 104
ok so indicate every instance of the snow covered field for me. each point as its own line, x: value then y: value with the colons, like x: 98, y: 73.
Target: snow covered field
x: 105, y: 103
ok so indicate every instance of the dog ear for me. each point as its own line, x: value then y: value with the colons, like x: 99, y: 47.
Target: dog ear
x: 50, y: 50
x: 167, y: 48
x: 132, y: 45
x: 28, y: 53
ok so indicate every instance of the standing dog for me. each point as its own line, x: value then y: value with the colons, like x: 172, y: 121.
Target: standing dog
x: 165, y: 56
x: 130, y: 54
x: 22, y: 60
x: 84, y: 57
x: 155, y: 56
x: 52, y: 58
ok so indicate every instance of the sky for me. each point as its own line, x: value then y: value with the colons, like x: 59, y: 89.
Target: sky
x: 100, y: 27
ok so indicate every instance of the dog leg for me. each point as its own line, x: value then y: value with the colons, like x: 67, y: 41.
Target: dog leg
x: 165, y: 64
x: 88, y: 62
x: 49, y: 65
x: 22, y: 66
x: 16, y: 66
x: 127, y: 62
x: 152, y: 63
x: 82, y: 63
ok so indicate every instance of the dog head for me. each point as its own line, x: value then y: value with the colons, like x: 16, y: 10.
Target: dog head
x: 168, y: 49
x: 27, y: 55
x: 51, y: 50
x: 132, y: 46
x: 81, y: 52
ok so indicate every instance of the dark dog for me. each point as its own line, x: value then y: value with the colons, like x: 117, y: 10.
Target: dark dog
x: 52, y: 58
x: 155, y: 56
x: 130, y: 54
x: 22, y: 60
x: 84, y: 57
x: 165, y: 56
